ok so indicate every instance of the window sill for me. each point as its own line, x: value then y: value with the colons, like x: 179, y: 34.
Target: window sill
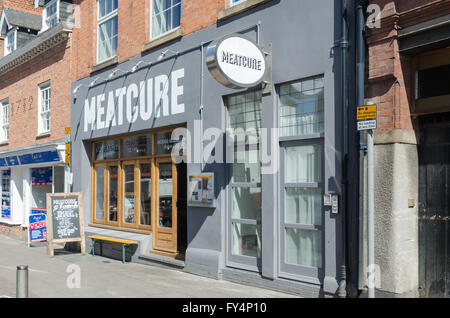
x: 43, y: 135
x: 112, y: 61
x: 178, y: 33
x: 239, y: 8
x: 4, y: 143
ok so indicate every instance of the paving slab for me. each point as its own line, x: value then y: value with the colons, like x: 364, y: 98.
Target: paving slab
x: 101, y: 277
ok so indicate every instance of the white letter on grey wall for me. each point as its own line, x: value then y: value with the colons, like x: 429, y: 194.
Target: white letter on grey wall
x: 89, y: 114
x: 132, y: 108
x: 161, y: 95
x: 177, y: 91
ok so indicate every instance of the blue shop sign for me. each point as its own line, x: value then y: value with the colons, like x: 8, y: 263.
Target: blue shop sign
x: 3, y: 162
x: 12, y: 161
x: 39, y: 157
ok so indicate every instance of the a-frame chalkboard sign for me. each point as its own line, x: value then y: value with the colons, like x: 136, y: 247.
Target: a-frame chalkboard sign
x: 64, y: 220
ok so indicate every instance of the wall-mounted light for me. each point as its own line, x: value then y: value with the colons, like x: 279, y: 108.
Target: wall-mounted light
x: 164, y: 53
x: 76, y: 89
x: 93, y: 82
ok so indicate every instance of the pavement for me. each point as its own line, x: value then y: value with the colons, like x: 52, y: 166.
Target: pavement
x: 72, y: 275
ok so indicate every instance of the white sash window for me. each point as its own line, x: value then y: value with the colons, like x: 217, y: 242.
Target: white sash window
x: 107, y: 30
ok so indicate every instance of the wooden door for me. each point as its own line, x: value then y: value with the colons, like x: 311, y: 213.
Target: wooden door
x: 165, y: 216
x: 434, y: 206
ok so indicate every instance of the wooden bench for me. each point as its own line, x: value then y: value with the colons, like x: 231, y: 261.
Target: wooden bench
x: 125, y: 243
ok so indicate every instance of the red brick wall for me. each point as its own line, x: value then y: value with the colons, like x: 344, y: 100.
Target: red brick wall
x: 134, y: 28
x: 390, y: 74
x: 20, y: 87
x: 21, y: 5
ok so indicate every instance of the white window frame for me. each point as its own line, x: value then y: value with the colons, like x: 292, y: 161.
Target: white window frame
x: 41, y: 112
x: 152, y: 38
x: 4, y: 124
x: 45, y: 19
x: 13, y: 31
x: 102, y: 20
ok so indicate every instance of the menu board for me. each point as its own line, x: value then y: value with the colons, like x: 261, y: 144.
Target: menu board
x: 65, y: 219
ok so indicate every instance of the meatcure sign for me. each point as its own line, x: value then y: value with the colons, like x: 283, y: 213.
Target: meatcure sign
x: 153, y: 97
x: 236, y: 61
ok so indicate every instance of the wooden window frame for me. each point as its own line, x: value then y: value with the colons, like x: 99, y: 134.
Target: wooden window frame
x: 120, y: 162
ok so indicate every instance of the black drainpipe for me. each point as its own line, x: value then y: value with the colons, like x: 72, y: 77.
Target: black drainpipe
x: 342, y: 289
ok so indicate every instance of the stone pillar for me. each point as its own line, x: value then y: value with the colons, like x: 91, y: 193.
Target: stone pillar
x: 396, y: 213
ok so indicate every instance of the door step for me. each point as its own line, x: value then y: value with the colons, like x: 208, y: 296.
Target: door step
x: 160, y: 260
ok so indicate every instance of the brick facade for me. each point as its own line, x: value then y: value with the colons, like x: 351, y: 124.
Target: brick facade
x: 21, y: 87
x: 390, y: 75
x: 134, y: 28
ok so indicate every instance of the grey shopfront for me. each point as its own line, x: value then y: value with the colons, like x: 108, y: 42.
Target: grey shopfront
x: 268, y: 225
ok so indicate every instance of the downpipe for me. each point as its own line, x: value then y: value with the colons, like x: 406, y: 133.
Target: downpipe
x: 342, y: 289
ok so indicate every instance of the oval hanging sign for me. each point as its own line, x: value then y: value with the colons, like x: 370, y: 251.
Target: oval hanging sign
x: 236, y: 62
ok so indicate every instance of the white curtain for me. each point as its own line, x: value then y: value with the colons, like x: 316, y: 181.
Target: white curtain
x: 303, y: 164
x: 303, y: 206
x: 303, y: 247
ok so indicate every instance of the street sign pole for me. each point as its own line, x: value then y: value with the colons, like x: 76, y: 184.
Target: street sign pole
x: 366, y: 117
x: 370, y: 217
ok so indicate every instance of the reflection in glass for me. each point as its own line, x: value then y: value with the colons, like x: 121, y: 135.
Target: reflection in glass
x: 303, y: 206
x: 138, y: 146
x: 164, y: 143
x: 246, y: 166
x: 302, y: 107
x: 246, y: 240
x: 128, y: 202
x: 106, y: 150
x: 99, y: 193
x: 303, y: 247
x: 145, y: 200
x: 113, y: 192
x: 246, y: 203
x: 165, y: 194
x: 244, y: 112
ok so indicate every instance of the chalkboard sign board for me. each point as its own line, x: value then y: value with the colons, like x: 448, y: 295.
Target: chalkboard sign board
x: 65, y: 220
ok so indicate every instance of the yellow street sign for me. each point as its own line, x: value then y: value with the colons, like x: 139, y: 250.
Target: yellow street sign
x: 67, y: 160
x: 67, y: 130
x: 67, y: 149
x: 366, y: 112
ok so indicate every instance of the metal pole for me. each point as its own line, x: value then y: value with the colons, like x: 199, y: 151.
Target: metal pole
x: 370, y: 217
x: 22, y: 281
x: 360, y: 69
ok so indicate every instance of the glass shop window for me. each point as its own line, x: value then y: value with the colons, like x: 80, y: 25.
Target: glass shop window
x: 6, y: 194
x: 41, y: 184
x: 244, y: 114
x: 302, y: 107
x: 106, y: 150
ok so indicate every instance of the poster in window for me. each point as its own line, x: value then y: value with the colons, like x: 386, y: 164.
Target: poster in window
x: 201, y: 190
x: 42, y: 176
